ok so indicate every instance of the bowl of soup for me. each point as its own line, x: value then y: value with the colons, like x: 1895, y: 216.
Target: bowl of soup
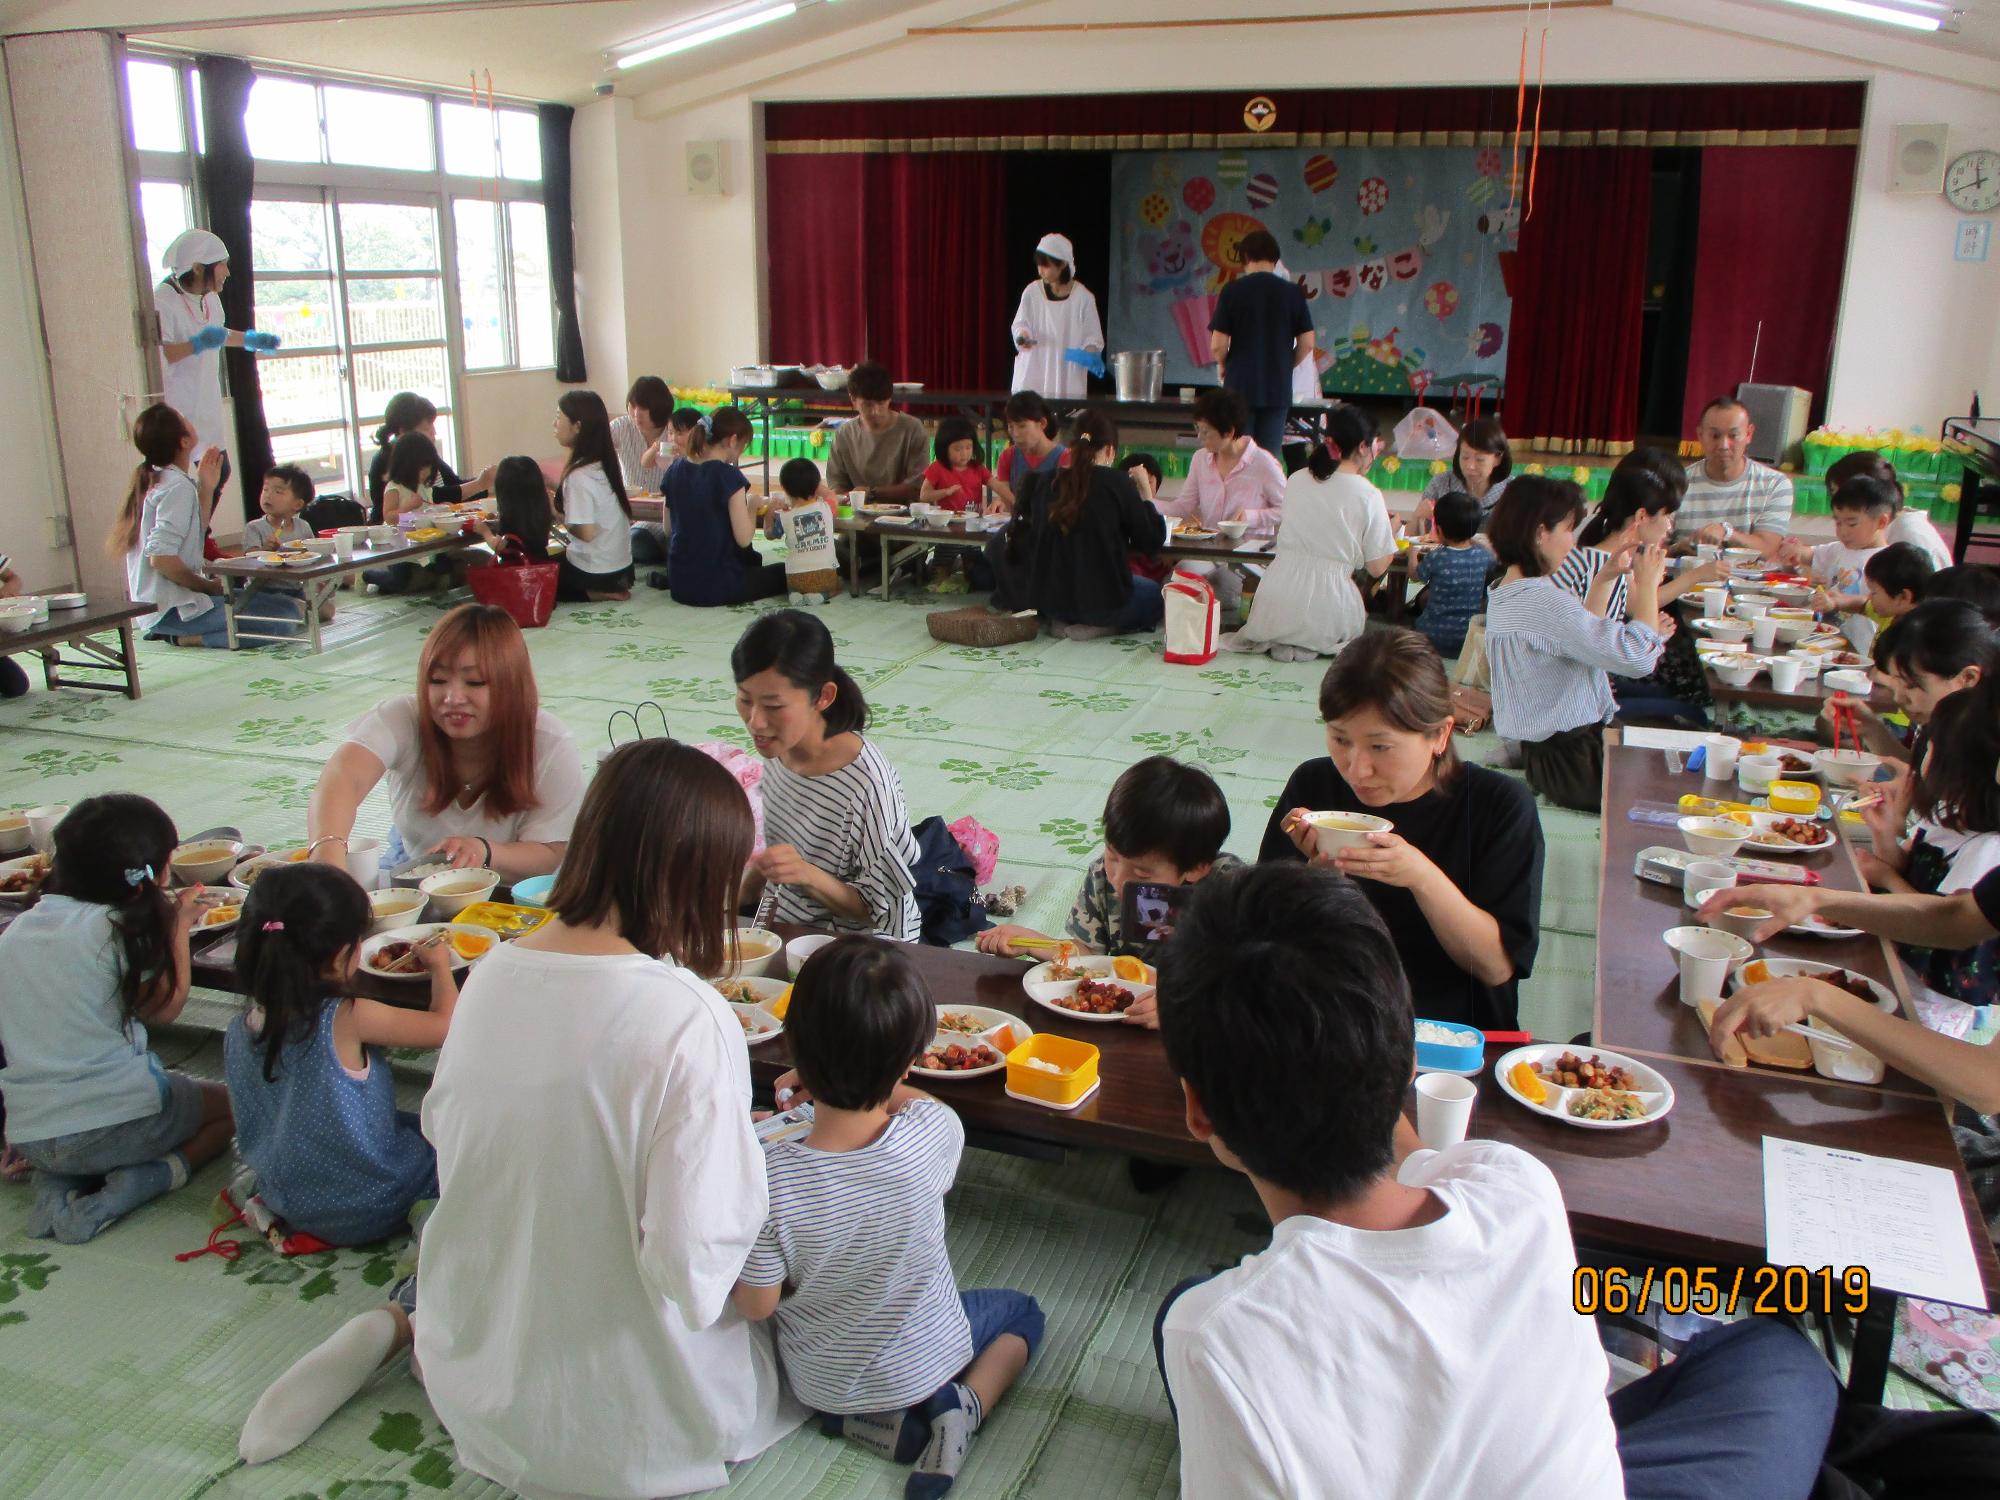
x: 205, y: 861
x: 452, y: 891
x: 750, y: 952
x: 396, y: 907
x: 14, y: 837
x: 1344, y: 830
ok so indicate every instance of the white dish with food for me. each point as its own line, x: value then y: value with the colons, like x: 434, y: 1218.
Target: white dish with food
x: 1649, y: 1093
x: 1811, y: 925
x: 452, y: 891
x: 468, y: 943
x: 750, y: 951
x: 15, y: 837
x: 1723, y: 630
x: 980, y: 1020
x: 1054, y: 985
x: 769, y: 993
x: 1737, y: 671
x: 219, y: 911
x: 396, y: 906
x: 1804, y: 968
x: 205, y: 861
x: 759, y: 1025
x: 1333, y: 831
x: 1712, y: 838
x: 978, y: 1058
x: 1847, y: 767
x: 68, y: 601
x: 22, y: 878
x: 1785, y: 834
x: 1848, y: 680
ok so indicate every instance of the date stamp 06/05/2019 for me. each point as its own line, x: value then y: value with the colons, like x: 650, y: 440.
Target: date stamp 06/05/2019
x: 1719, y: 1291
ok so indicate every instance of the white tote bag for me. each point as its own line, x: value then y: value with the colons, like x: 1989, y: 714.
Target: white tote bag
x: 1194, y: 619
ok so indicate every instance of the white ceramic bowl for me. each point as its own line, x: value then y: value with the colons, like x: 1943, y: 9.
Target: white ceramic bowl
x: 1344, y: 830
x: 1755, y: 773
x: 1724, y: 630
x: 1791, y: 632
x: 1850, y: 680
x: 834, y: 379
x: 799, y: 949
x: 452, y: 891
x: 319, y: 546
x: 206, y: 861
x: 1741, y: 557
x: 1737, y: 671
x: 937, y: 518
x: 68, y: 601
x: 1234, y: 530
x: 1847, y: 767
x: 1712, y: 838
x: 396, y: 907
x: 751, y: 952
x: 14, y: 838
x: 17, y: 616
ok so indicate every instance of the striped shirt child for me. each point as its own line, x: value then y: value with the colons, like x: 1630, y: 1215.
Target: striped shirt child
x: 1579, y: 571
x: 1549, y: 656
x: 873, y: 1321
x: 854, y: 824
x: 1760, y: 500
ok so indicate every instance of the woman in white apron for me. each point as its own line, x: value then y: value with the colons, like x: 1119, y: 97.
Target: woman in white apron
x: 193, y: 336
x: 1057, y: 314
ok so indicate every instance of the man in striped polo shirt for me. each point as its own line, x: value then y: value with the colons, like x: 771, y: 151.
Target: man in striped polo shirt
x: 1732, y: 501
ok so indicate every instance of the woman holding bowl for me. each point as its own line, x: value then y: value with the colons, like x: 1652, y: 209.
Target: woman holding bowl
x: 479, y: 773
x: 1459, y: 879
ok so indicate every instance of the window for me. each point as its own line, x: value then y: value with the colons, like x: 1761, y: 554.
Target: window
x: 154, y: 92
x: 371, y: 128
x: 534, y: 311
x: 163, y: 206
x: 283, y: 121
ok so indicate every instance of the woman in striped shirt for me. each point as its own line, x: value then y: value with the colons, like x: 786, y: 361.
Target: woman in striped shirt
x: 839, y: 849
x: 1550, y: 651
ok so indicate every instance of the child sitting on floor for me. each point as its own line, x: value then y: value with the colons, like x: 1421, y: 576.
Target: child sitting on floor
x: 309, y: 1081
x: 287, y: 491
x: 413, y: 466
x: 521, y: 509
x: 1454, y: 573
x: 1164, y: 824
x: 957, y: 480
x: 812, y: 568
x: 872, y: 1329
x: 1377, y: 1346
x: 104, y: 952
x: 711, y: 519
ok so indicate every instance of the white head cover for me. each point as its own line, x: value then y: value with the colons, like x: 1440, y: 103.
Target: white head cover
x: 195, y: 247
x: 1056, y: 247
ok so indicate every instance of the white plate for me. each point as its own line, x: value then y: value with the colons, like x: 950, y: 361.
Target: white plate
x: 1805, y: 968
x: 1045, y: 991
x: 945, y: 1039
x: 209, y: 901
x: 371, y: 946
x: 990, y: 1021
x: 753, y: 990
x: 8, y: 867
x: 1789, y: 850
x: 1652, y: 1087
x: 762, y: 1027
x: 1814, y: 924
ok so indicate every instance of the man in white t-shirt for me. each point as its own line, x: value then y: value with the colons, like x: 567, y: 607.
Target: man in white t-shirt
x: 1410, y: 1331
x: 1732, y: 500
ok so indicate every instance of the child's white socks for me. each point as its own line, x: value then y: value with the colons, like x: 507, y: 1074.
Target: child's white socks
x: 300, y: 1400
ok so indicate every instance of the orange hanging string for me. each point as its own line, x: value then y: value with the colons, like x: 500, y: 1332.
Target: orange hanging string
x: 1535, y: 154
x: 1520, y: 112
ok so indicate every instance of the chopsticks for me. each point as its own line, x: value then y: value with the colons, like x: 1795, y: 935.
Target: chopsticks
x: 1825, y: 1038
x: 1041, y: 943
x: 408, y: 963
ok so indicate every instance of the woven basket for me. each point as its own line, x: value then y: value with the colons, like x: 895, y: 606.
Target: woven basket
x: 980, y: 626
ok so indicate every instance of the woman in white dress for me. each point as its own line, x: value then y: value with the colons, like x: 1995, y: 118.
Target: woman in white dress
x: 193, y: 336
x: 1057, y: 314
x: 1335, y: 524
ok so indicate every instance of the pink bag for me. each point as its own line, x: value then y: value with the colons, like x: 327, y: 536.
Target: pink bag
x: 981, y: 845
x: 748, y: 771
x: 1194, y: 619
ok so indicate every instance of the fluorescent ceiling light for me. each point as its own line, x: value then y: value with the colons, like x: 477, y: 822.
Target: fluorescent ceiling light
x: 1918, y: 18
x: 710, y: 28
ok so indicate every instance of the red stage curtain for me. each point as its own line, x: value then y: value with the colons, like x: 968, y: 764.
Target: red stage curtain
x: 1579, y: 286
x: 814, y: 226
x: 934, y: 267
x: 1771, y: 247
x: 1572, y: 114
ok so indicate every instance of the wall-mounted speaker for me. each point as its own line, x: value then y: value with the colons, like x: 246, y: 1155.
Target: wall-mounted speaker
x: 705, y: 163
x: 1918, y: 163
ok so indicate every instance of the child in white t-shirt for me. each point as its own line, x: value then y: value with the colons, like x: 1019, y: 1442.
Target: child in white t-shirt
x: 872, y: 1329
x: 1410, y: 1330
x: 812, y: 570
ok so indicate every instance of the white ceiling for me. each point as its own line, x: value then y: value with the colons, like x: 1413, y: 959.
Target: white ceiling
x: 554, y: 49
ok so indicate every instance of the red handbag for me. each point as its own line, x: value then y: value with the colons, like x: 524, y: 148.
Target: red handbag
x: 526, y: 590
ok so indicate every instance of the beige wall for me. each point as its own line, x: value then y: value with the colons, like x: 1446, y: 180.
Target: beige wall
x: 504, y: 412
x: 33, y: 513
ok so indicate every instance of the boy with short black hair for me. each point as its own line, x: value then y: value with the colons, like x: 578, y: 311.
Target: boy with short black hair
x: 1454, y: 573
x: 873, y: 1331
x: 1895, y: 580
x: 1146, y: 473
x: 1862, y: 511
x: 1297, y: 1372
x: 287, y: 491
x: 1164, y: 824
x: 805, y: 519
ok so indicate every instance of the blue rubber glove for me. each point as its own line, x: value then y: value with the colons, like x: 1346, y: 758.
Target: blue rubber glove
x: 1090, y: 359
x: 211, y: 337
x: 260, y: 343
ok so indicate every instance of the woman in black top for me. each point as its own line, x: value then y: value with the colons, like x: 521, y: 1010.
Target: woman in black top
x: 409, y: 412
x: 1459, y: 881
x: 1075, y: 527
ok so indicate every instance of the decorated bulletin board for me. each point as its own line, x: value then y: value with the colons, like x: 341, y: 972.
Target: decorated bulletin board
x: 1403, y: 253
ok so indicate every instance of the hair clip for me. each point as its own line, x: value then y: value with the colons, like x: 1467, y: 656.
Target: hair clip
x: 274, y: 926
x: 707, y: 423
x: 138, y: 875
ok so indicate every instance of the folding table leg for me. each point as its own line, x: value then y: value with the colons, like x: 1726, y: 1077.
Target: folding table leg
x: 229, y: 608
x: 885, y: 569
x: 127, y: 650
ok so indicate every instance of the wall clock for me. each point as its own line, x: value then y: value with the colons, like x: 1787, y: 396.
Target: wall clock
x: 1972, y: 182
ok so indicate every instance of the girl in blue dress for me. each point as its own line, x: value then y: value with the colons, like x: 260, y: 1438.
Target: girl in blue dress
x: 309, y: 1080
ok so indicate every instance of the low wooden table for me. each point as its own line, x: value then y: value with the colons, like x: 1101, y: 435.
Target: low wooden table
x: 1813, y: 693
x: 78, y: 628
x: 243, y: 577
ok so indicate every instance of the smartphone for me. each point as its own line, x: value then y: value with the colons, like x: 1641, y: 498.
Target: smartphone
x: 1151, y: 909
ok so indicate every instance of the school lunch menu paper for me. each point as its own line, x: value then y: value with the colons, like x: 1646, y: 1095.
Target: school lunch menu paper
x: 1399, y: 249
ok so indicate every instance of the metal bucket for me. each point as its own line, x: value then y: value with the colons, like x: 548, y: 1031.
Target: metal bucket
x: 1139, y: 373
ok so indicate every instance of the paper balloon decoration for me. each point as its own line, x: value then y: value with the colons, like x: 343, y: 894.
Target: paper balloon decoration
x: 1372, y: 195
x: 1154, y: 208
x: 1231, y: 168
x: 1321, y: 173
x: 1441, y: 299
x: 1263, y: 190
x: 1486, y: 340
x: 1198, y: 194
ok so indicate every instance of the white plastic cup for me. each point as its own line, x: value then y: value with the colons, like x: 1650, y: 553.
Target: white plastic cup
x: 1750, y: 609
x: 1764, y: 633
x: 1704, y: 552
x: 1444, y: 1108
x: 1755, y: 773
x: 1714, y: 603
x: 42, y: 825
x: 857, y: 498
x: 343, y: 546
x: 1786, y: 673
x: 1706, y: 954
x: 1705, y: 875
x: 364, y: 862
x: 1721, y: 751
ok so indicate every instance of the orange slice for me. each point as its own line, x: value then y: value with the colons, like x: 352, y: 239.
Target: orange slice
x: 1755, y: 972
x: 783, y: 1003
x: 1528, y: 1082
x: 1125, y: 966
x: 469, y: 945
